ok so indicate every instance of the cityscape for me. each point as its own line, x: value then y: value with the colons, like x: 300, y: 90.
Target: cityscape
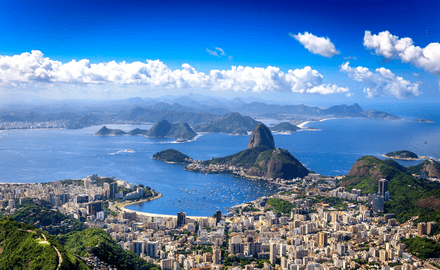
x: 220, y: 135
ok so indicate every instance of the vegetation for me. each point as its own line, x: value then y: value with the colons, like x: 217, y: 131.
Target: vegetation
x: 171, y: 155
x: 280, y: 206
x: 423, y: 248
x: 52, y: 221
x: 285, y: 127
x: 232, y: 123
x: 104, y: 247
x: 243, y: 158
x: 404, y: 154
x: 24, y: 247
x: 405, y: 190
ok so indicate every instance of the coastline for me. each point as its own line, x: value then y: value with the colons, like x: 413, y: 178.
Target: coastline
x: 306, y: 122
x: 123, y: 205
x: 399, y: 158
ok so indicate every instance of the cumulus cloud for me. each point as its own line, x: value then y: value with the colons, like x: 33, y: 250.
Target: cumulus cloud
x: 316, y: 45
x: 382, y: 82
x: 393, y: 47
x: 35, y: 68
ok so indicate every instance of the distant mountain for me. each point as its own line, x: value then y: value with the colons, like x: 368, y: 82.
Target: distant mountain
x: 233, y: 123
x: 344, y: 110
x: 164, y: 129
x: 26, y: 247
x: 261, y: 135
x: 285, y: 127
x: 143, y: 115
x: 137, y: 131
x: 378, y: 115
x: 172, y: 156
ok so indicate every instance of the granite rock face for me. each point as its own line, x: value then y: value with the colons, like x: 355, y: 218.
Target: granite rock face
x: 261, y: 135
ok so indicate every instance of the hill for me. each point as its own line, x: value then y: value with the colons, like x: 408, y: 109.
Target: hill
x: 104, y: 131
x: 25, y: 247
x: 431, y: 167
x: 261, y: 135
x: 285, y: 127
x: 404, y: 154
x: 232, y: 123
x: 103, y: 247
x: 261, y: 159
x: 410, y: 196
x: 163, y: 129
x: 172, y: 156
x: 52, y: 221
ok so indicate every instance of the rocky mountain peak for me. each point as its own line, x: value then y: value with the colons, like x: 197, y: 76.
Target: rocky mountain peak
x: 261, y: 135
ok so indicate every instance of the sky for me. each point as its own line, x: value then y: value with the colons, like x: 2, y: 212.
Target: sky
x: 311, y: 52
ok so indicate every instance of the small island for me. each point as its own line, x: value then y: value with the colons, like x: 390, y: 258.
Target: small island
x: 285, y: 127
x: 172, y: 156
x: 403, y: 155
x: 423, y: 120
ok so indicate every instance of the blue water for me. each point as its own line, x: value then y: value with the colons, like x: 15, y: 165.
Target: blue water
x: 50, y: 155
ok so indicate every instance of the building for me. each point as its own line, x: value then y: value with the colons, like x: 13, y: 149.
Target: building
x: 181, y: 218
x: 167, y: 264
x: 321, y: 239
x: 138, y: 247
x: 422, y: 228
x: 218, y: 216
x: 151, y: 249
x: 95, y: 207
x: 273, y: 253
x: 216, y: 256
x: 383, y: 186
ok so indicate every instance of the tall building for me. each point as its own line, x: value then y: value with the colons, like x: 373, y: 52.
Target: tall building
x: 383, y: 186
x: 151, y: 249
x: 321, y: 239
x: 94, y: 207
x: 113, y: 190
x: 422, y: 229
x: 181, y: 218
x: 273, y: 253
x: 138, y: 247
x: 216, y: 256
x: 218, y: 216
x: 254, y: 248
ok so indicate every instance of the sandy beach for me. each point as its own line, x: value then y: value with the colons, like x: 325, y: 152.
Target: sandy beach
x: 122, y: 207
x: 306, y: 122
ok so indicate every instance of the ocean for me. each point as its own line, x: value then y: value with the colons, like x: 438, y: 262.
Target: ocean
x: 331, y: 149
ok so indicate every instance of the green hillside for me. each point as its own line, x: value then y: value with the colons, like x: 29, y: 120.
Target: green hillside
x: 25, y: 247
x: 245, y: 158
x: 104, y: 247
x: 410, y: 196
x: 52, y: 221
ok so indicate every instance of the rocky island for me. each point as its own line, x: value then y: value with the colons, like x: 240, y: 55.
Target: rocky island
x: 285, y: 127
x: 162, y: 129
x: 260, y: 161
x: 172, y: 156
x: 404, y: 155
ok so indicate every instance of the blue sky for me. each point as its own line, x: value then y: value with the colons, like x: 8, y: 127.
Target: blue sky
x: 38, y: 40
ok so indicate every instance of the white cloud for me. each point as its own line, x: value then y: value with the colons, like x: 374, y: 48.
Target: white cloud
x: 350, y: 57
x: 222, y: 52
x: 219, y: 52
x: 349, y: 94
x: 382, y: 82
x: 34, y: 68
x: 214, y: 53
x: 390, y: 46
x: 316, y: 45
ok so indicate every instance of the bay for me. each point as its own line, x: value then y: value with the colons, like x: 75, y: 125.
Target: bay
x: 49, y: 155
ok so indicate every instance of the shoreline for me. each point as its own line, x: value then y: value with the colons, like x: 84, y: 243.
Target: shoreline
x: 122, y: 207
x: 407, y: 159
x: 310, y: 121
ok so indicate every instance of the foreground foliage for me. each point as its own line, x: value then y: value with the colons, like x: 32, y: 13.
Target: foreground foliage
x: 423, y: 248
x: 104, y: 247
x: 24, y: 247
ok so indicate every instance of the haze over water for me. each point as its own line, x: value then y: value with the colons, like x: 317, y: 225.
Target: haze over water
x: 50, y: 155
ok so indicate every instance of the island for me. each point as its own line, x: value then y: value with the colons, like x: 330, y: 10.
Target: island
x: 423, y: 120
x: 403, y: 155
x: 172, y: 156
x: 285, y: 127
x: 162, y: 129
